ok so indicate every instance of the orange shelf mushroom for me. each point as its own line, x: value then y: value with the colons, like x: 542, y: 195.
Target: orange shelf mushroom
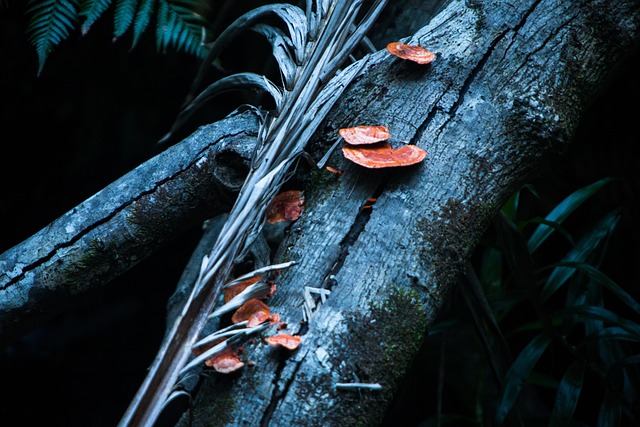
x: 361, y: 135
x: 286, y: 206
x: 290, y: 342
x: 225, y: 362
x: 253, y: 311
x: 234, y: 290
x: 411, y: 52
x: 385, y: 156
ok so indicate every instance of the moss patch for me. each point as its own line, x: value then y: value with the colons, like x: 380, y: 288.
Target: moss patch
x: 216, y: 412
x: 382, y: 347
x: 447, y: 241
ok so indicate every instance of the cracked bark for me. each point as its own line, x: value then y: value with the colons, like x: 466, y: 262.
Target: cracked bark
x: 503, y: 97
x: 123, y: 224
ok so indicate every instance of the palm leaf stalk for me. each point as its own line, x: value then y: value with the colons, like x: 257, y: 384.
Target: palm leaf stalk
x: 318, y: 43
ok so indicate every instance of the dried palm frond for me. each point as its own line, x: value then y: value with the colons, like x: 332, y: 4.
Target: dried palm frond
x: 316, y: 44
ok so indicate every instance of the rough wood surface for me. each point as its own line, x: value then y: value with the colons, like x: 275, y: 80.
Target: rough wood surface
x: 503, y: 98
x: 124, y: 223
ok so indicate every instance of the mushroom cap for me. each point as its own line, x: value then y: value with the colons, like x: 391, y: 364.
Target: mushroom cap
x: 411, y: 52
x: 384, y: 156
x: 254, y: 311
x: 286, y: 206
x: 290, y: 342
x: 360, y: 135
x: 225, y: 362
x: 234, y: 290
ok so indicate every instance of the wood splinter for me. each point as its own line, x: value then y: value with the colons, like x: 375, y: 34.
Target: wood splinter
x: 358, y: 386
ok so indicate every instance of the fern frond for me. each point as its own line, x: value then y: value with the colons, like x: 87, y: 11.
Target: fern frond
x: 142, y: 20
x: 91, y: 11
x: 179, y: 26
x: 124, y: 12
x: 51, y: 22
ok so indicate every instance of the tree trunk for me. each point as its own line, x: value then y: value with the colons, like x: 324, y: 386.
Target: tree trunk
x: 502, y: 99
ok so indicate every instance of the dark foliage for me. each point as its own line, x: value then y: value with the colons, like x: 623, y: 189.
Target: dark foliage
x: 97, y: 109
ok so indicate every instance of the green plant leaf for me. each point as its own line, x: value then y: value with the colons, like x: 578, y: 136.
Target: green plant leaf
x: 51, y: 22
x: 599, y: 277
x: 123, y: 16
x: 491, y: 269
x: 563, y: 210
x: 594, y: 312
x: 518, y: 373
x: 510, y: 208
x: 610, y: 410
x: 514, y: 248
x: 568, y: 394
x: 91, y: 11
x: 142, y: 20
x: 179, y: 26
x: 555, y: 226
x: 613, y: 332
x: 579, y: 254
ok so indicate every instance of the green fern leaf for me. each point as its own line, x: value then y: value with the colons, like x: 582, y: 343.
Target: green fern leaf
x: 143, y: 17
x: 90, y: 11
x: 180, y: 27
x: 51, y: 22
x: 124, y: 13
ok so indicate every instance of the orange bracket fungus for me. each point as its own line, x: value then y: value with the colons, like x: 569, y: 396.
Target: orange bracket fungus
x: 286, y: 206
x: 225, y: 362
x: 411, y: 52
x: 254, y: 311
x: 290, y: 342
x: 235, y: 289
x: 334, y: 170
x: 361, y: 135
x: 384, y: 156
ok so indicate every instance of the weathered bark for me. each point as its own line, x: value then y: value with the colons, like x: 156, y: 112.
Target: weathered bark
x: 503, y: 97
x: 124, y: 223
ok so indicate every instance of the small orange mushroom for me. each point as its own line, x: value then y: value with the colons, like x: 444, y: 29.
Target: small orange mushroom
x: 361, y: 135
x: 290, y: 342
x: 234, y: 290
x: 286, y: 206
x: 253, y: 311
x: 334, y: 170
x: 384, y: 156
x: 225, y: 362
x: 411, y: 52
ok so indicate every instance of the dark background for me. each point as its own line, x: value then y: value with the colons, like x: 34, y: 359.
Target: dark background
x: 96, y: 112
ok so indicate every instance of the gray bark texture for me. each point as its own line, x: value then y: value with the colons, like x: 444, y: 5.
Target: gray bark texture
x: 503, y: 97
x: 124, y: 223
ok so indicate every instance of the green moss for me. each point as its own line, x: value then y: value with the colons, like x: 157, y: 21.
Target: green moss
x: 315, y: 183
x: 217, y: 411
x: 447, y: 241
x: 382, y: 347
